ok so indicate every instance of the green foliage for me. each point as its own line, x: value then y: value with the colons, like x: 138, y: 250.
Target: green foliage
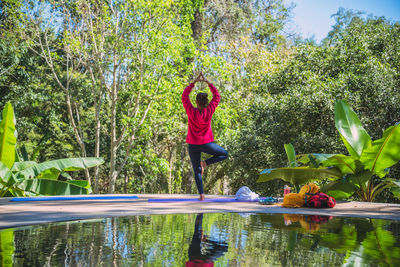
x: 298, y: 175
x: 7, y: 247
x: 353, y: 135
x: 274, y: 91
x: 265, y: 240
x: 396, y: 190
x: 366, y: 242
x: 291, y: 154
x: 345, y: 164
x: 377, y: 158
x: 355, y: 173
x: 384, y: 152
x: 294, y: 101
x: 31, y: 178
x: 8, y: 138
x: 149, y: 47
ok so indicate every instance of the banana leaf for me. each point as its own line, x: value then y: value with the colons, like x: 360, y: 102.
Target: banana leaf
x: 5, y: 173
x: 360, y: 178
x: 21, y: 165
x: 51, y: 187
x: 344, y: 163
x: 299, y: 175
x: 51, y: 174
x: 384, y: 152
x: 346, y: 187
x: 15, y: 192
x: 72, y: 164
x: 353, y: 134
x: 80, y: 183
x: 315, y: 158
x: 66, y: 175
x: 339, y: 189
x: 40, y: 145
x: 24, y: 153
x: 395, y: 189
x: 291, y: 155
x: 8, y: 136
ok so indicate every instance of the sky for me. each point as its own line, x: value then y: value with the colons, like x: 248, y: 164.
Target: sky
x: 312, y: 18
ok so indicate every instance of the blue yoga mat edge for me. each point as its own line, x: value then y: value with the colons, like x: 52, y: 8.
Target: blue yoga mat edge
x: 197, y: 200
x: 50, y: 198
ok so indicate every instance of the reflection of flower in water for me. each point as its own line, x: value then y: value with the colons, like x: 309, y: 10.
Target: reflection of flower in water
x: 308, y: 222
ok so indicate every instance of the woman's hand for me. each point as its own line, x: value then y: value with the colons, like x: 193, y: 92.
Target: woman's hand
x: 198, y: 78
x: 203, y: 79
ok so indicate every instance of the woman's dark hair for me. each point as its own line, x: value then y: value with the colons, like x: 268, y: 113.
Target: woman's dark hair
x: 202, y: 100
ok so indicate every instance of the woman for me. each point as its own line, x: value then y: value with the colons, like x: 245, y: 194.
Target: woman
x: 200, y: 137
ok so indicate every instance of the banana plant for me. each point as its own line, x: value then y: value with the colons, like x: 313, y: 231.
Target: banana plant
x: 300, y: 175
x: 371, y: 159
x: 363, y: 172
x: 22, y: 178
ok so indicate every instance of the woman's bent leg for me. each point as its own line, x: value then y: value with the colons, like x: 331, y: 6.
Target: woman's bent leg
x: 217, y: 151
x: 195, y: 157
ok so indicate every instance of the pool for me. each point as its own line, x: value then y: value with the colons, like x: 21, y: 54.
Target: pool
x: 212, y: 239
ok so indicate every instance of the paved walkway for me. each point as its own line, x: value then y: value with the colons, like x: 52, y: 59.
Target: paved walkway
x: 14, y: 214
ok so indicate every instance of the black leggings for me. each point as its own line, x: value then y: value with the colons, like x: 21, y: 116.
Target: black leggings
x: 195, y: 156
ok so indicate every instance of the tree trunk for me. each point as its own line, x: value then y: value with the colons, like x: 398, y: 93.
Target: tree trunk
x: 126, y: 182
x: 113, y: 143
x: 189, y: 181
x: 97, y: 108
x: 197, y: 29
x: 171, y: 163
x: 214, y: 179
x: 97, y: 153
x: 197, y: 23
x: 78, y: 137
x: 113, y: 155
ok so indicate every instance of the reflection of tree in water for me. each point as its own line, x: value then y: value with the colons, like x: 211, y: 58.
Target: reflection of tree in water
x: 203, y: 251
x: 395, y: 229
x: 159, y: 240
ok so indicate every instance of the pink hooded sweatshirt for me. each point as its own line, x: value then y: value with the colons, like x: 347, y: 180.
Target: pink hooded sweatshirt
x: 199, y: 130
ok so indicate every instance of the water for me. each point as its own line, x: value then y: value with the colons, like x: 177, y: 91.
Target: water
x: 222, y: 239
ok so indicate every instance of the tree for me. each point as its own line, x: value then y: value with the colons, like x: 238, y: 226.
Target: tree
x: 127, y: 48
x: 294, y: 102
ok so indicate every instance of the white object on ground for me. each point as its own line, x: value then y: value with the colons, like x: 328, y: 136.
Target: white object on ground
x: 244, y: 193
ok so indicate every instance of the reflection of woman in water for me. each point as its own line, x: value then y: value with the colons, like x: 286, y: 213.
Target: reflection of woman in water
x: 204, y: 251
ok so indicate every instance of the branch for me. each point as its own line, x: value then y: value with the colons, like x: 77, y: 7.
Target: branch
x: 1, y: 73
x: 46, y: 54
x: 132, y: 137
x: 78, y: 120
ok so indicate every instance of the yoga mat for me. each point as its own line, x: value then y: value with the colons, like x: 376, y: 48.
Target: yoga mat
x: 70, y: 198
x: 197, y: 200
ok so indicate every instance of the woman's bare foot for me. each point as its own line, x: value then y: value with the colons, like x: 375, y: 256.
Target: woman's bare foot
x: 202, y: 197
x: 203, y: 165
